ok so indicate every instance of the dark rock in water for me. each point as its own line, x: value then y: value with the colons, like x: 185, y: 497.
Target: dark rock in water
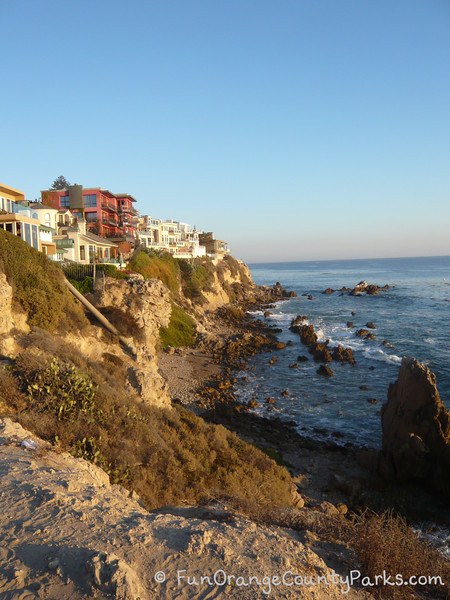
x: 372, y: 400
x: 293, y: 366
x: 310, y: 297
x: 302, y: 358
x: 320, y: 352
x: 285, y: 393
x: 367, y: 288
x: 289, y: 343
x: 371, y: 368
x: 270, y: 400
x: 307, y: 335
x: 328, y: 291
x: 324, y: 370
x: 273, y: 360
x: 370, y: 325
x: 279, y: 345
x: 364, y: 388
x: 305, y: 294
x: 387, y: 344
x: 276, y: 330
x: 350, y: 324
x: 280, y: 292
x: 416, y: 429
x: 345, y: 289
x: 343, y: 355
x: 365, y: 333
x: 353, y: 313
x: 297, y: 323
x: 267, y: 313
x: 253, y: 403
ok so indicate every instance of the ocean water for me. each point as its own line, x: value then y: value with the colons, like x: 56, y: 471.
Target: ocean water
x: 413, y: 316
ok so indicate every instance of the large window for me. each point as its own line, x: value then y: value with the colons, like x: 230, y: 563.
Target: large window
x: 82, y: 253
x: 90, y: 200
x: 65, y: 201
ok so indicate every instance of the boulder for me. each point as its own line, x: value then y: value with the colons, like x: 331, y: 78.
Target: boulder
x: 297, y: 323
x: 343, y: 355
x: 307, y: 335
x: 320, y: 352
x: 350, y: 324
x: 302, y: 358
x: 328, y: 291
x: 416, y: 429
x: 370, y: 325
x: 365, y: 333
x: 367, y: 288
x: 324, y: 370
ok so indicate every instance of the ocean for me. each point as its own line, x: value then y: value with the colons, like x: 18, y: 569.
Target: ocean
x: 412, y: 318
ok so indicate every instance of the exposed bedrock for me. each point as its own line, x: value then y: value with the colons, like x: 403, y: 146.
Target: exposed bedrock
x: 416, y: 429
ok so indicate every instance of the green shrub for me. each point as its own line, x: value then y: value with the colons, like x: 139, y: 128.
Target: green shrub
x: 86, y: 285
x: 197, y: 276
x: 38, y: 286
x: 60, y: 389
x: 180, y: 331
x: 154, y: 266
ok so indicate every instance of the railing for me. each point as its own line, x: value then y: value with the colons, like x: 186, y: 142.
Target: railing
x: 108, y: 206
x: 65, y: 243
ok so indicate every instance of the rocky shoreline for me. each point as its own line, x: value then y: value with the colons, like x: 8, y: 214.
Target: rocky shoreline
x: 338, y: 472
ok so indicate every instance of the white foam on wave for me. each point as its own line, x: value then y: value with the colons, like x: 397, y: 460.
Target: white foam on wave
x: 378, y: 354
x: 430, y: 341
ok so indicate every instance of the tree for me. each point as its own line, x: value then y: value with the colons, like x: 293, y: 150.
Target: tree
x: 60, y: 183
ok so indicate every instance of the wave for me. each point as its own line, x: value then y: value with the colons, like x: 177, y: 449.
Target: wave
x: 378, y: 354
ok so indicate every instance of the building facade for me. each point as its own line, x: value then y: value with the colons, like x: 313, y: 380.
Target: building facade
x: 17, y: 218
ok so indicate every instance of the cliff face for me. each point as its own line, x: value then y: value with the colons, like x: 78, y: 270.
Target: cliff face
x: 12, y: 321
x: 146, y: 305
x: 416, y: 429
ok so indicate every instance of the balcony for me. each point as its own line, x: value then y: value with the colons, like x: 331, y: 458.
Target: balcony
x: 111, y: 207
x: 129, y: 210
x: 66, y: 243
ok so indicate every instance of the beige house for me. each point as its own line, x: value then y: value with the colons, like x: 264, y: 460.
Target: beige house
x: 75, y: 243
x: 17, y: 218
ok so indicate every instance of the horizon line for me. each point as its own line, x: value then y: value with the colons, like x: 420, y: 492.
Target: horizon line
x: 346, y: 259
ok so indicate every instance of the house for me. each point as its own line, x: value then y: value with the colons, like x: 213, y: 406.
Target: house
x: 172, y: 236
x: 75, y: 243
x: 17, y: 218
x: 214, y: 248
x: 106, y: 214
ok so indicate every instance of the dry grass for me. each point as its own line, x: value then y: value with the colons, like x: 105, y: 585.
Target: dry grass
x: 166, y: 456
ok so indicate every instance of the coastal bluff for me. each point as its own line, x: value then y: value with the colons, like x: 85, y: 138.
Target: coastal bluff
x: 68, y: 533
x: 416, y: 429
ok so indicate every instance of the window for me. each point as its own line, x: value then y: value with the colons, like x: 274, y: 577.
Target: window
x: 34, y: 234
x: 82, y: 253
x: 47, y: 217
x: 90, y: 200
x: 65, y: 201
x: 91, y: 217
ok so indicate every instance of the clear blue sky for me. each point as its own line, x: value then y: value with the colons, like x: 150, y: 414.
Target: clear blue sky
x: 295, y: 129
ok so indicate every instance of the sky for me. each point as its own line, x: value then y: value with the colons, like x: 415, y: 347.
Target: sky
x: 293, y: 129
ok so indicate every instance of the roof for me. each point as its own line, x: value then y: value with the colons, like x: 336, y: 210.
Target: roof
x: 11, y: 191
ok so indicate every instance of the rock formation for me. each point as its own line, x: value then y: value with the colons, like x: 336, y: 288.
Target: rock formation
x: 147, y: 305
x: 416, y: 429
x: 367, y: 288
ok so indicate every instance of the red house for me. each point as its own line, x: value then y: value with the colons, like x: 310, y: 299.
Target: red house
x: 107, y: 215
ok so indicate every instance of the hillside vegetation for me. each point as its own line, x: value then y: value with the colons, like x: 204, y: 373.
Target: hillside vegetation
x: 38, y: 287
x: 87, y: 406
